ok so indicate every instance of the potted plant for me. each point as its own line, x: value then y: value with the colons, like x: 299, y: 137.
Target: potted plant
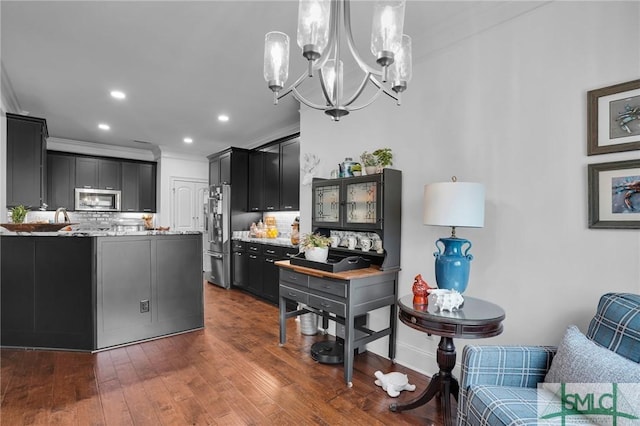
x: 315, y: 247
x: 370, y: 162
x: 384, y: 156
x: 18, y: 214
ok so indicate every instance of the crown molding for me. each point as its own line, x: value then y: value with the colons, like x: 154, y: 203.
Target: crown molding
x: 94, y: 148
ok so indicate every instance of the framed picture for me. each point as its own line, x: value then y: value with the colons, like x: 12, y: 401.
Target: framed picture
x: 613, y: 118
x: 614, y: 194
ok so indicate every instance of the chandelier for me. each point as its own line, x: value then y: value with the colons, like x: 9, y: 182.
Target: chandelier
x: 321, y: 26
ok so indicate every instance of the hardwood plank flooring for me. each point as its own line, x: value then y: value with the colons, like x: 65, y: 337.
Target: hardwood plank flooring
x: 231, y: 373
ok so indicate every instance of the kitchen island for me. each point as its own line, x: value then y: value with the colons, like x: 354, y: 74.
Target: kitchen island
x: 84, y: 291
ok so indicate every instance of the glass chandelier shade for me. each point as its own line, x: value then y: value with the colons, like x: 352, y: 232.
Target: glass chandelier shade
x: 323, y: 26
x: 386, y: 30
x: 314, y: 17
x: 400, y: 70
x: 276, y: 59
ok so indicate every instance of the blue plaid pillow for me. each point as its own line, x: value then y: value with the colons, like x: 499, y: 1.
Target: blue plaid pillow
x: 616, y: 325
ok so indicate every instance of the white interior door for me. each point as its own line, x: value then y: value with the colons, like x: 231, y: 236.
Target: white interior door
x: 188, y: 204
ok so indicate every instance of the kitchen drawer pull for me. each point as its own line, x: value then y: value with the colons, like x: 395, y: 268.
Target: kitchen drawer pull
x: 268, y: 259
x: 252, y: 256
x: 292, y: 278
x: 271, y: 251
x: 325, y: 305
x: 291, y: 254
x: 292, y: 294
x: 288, y: 207
x: 253, y: 248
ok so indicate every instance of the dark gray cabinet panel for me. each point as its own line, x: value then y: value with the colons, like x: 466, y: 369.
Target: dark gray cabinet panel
x: 255, y: 262
x: 86, y: 172
x: 239, y: 259
x: 138, y: 187
x: 109, y: 174
x: 46, y: 292
x: 26, y: 160
x: 179, y: 283
x: 271, y: 178
x: 290, y: 175
x: 225, y: 168
x: 61, y: 171
x: 256, y: 172
x: 214, y: 171
x: 147, y: 187
x: 274, y: 176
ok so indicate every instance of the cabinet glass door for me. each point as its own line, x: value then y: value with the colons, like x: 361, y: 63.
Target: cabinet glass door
x: 326, y: 204
x: 362, y: 203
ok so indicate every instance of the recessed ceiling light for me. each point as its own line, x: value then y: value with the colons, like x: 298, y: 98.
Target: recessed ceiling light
x: 118, y: 94
x: 223, y: 117
x: 187, y: 140
x: 104, y: 126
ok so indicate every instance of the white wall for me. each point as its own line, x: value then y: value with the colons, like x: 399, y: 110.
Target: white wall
x: 505, y: 107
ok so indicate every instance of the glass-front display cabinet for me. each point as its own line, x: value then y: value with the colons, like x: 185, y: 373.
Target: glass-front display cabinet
x: 361, y: 204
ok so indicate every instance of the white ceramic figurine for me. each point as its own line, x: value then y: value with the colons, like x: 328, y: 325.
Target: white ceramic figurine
x: 445, y: 300
x: 393, y: 383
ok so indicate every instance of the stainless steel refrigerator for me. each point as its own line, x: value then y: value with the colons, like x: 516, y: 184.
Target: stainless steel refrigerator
x: 218, y: 230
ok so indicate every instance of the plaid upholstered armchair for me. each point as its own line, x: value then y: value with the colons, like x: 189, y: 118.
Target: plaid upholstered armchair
x: 498, y: 384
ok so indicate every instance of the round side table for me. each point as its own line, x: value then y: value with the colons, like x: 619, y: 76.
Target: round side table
x: 475, y: 319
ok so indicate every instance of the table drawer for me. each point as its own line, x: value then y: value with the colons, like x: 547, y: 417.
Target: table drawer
x: 293, y: 294
x: 327, y: 305
x: 292, y: 277
x: 339, y: 288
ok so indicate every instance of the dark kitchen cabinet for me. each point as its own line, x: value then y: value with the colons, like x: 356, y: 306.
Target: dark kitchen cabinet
x: 44, y: 304
x: 61, y: 171
x: 109, y: 174
x: 256, y: 171
x: 229, y: 167
x: 26, y: 161
x: 290, y: 175
x: 240, y: 274
x: 255, y: 261
x: 274, y: 176
x: 97, y: 173
x: 138, y: 187
x: 86, y: 172
x: 271, y: 177
x: 262, y: 274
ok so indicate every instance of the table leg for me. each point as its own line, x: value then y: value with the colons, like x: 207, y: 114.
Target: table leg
x: 442, y: 383
x: 283, y: 321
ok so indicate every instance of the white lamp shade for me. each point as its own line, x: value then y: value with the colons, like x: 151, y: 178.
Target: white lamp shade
x: 454, y: 204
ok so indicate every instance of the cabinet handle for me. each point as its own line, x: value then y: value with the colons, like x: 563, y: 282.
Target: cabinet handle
x: 270, y: 251
x: 325, y: 305
x: 270, y: 208
x: 288, y: 207
x: 109, y: 187
x: 252, y: 256
x: 291, y: 254
x: 292, y: 294
x: 268, y: 259
x: 88, y: 187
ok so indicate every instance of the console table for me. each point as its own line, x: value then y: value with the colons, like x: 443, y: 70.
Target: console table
x: 340, y: 297
x: 474, y: 320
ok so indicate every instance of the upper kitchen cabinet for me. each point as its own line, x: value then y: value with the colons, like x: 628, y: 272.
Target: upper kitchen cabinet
x: 274, y: 176
x: 61, y: 172
x: 97, y: 173
x: 26, y: 161
x: 228, y: 166
x: 138, y: 187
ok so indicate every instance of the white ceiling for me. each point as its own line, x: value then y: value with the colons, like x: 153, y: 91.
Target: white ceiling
x: 180, y: 63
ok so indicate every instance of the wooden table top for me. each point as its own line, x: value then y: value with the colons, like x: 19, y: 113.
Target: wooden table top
x: 475, y: 319
x: 346, y: 275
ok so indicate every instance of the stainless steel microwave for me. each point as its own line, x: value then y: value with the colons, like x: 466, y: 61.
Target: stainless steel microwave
x: 104, y: 200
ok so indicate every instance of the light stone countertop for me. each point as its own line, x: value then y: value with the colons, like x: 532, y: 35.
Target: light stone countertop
x: 283, y: 242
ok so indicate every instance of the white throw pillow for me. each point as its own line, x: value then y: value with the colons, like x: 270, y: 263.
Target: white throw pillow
x: 579, y: 360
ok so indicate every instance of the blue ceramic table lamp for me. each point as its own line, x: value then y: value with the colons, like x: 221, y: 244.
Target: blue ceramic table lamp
x: 454, y: 204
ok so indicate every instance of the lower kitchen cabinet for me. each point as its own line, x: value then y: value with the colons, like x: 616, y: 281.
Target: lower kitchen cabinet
x: 239, y: 259
x: 46, y: 292
x: 261, y: 273
x: 89, y: 293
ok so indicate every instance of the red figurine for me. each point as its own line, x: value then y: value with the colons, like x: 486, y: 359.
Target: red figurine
x: 420, y: 288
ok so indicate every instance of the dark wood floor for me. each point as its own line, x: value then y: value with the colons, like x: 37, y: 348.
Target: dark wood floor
x: 232, y: 372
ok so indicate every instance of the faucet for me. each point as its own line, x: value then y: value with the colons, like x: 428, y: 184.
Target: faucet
x: 64, y: 211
